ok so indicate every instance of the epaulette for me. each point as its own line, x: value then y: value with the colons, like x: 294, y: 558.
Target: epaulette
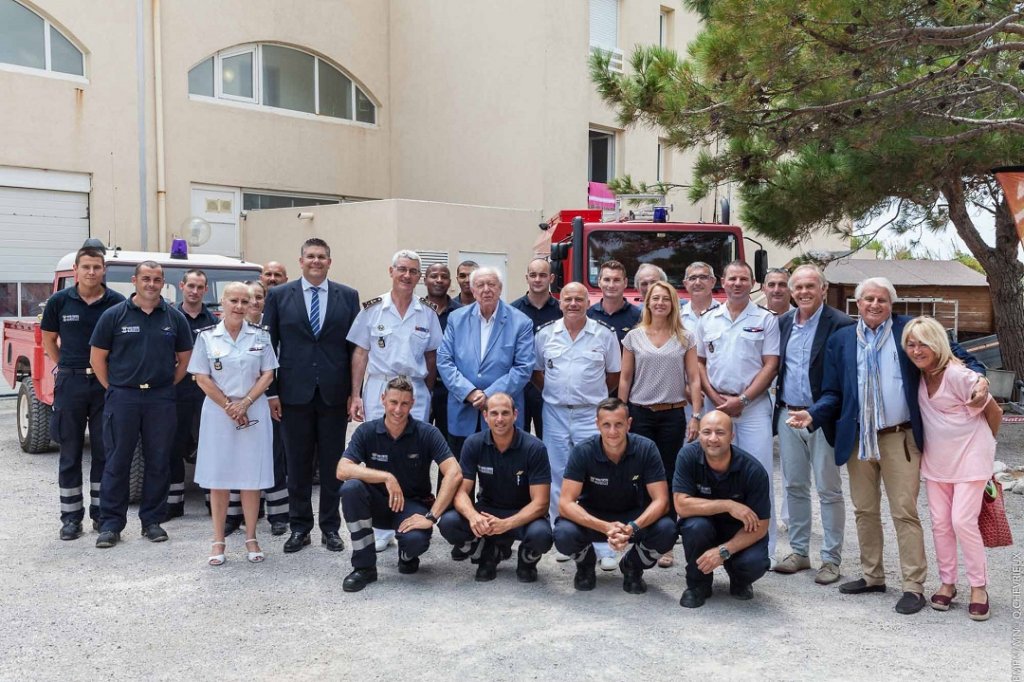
x: 547, y: 324
x: 604, y: 324
x: 768, y: 309
x: 206, y: 329
x: 427, y: 302
x: 709, y: 309
x: 372, y: 302
x: 261, y: 327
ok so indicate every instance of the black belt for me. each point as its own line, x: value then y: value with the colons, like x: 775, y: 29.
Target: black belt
x: 87, y: 371
x: 905, y: 426
x: 794, y: 407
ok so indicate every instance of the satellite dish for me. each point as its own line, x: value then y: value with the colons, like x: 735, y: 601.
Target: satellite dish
x: 197, y: 231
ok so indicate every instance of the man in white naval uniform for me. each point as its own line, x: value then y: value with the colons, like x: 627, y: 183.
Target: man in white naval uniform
x: 738, y: 349
x: 395, y: 334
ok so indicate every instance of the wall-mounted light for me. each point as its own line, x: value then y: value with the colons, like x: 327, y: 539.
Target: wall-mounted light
x: 306, y: 215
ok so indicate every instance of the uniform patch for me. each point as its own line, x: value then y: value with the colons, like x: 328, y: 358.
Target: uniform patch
x: 598, y: 481
x: 69, y: 318
x: 379, y: 457
x: 430, y: 304
x: 372, y: 302
x: 704, y: 490
x: 485, y: 470
x: 130, y: 329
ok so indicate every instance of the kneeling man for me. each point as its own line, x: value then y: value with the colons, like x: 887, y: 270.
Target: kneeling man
x: 614, y: 490
x: 512, y: 502
x: 721, y: 496
x: 392, y: 489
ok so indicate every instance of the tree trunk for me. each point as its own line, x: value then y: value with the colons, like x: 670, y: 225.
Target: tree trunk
x: 1005, y: 272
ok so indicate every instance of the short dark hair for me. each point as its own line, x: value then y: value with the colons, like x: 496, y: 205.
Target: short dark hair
x: 399, y: 384
x: 738, y: 264
x: 151, y: 264
x: 194, y: 271
x: 613, y: 265
x: 611, y: 405
x: 315, y: 241
x: 467, y: 264
x: 89, y: 252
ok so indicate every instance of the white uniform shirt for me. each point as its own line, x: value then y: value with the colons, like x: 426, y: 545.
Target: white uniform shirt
x: 690, y: 319
x: 574, y: 370
x: 233, y: 364
x: 733, y: 348
x: 396, y: 345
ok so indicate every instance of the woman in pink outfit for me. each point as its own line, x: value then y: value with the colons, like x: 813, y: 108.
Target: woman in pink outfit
x: 959, y: 448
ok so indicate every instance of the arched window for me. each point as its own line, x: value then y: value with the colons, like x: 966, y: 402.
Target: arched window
x: 283, y: 78
x: 30, y: 41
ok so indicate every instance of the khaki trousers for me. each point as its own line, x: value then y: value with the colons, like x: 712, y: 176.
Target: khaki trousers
x: 900, y: 470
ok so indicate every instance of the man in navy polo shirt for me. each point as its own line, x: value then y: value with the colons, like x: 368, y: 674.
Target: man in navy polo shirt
x: 613, y: 309
x: 140, y: 350
x: 721, y: 495
x: 515, y: 484
x: 393, y: 489
x: 71, y: 315
x: 614, y: 490
x: 541, y: 307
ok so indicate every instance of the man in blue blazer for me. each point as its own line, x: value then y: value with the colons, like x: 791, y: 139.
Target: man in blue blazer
x: 803, y: 332
x: 871, y: 386
x: 487, y: 349
x: 309, y: 320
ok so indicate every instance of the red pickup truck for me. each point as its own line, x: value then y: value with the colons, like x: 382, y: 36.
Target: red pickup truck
x: 24, y: 360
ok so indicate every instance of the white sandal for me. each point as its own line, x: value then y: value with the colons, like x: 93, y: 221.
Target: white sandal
x: 217, y: 559
x: 254, y: 557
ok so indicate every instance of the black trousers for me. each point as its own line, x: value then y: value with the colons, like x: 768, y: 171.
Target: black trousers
x: 307, y: 429
x: 701, y: 533
x: 667, y: 429
x: 533, y: 410
x: 189, y: 408
x: 78, y: 403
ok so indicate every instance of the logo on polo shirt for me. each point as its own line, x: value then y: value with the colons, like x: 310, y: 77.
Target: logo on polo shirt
x: 379, y: 457
x: 598, y: 481
x: 485, y: 470
x: 130, y: 329
x: 69, y: 318
x: 414, y: 455
x: 704, y: 490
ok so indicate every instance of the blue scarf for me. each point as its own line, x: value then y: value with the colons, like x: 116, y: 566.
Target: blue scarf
x: 871, y: 403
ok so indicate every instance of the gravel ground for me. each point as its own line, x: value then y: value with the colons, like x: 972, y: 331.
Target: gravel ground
x: 145, y: 611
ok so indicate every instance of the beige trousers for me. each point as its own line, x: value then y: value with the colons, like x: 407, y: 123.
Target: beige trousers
x: 900, y: 470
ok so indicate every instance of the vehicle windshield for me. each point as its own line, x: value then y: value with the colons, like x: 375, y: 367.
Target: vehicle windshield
x: 119, y: 278
x: 671, y: 250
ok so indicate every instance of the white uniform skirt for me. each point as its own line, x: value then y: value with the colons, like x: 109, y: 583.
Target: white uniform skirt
x: 235, y: 459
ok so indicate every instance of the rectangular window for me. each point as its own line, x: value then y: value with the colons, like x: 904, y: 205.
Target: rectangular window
x: 601, y: 156
x: 671, y: 250
x: 604, y: 24
x: 664, y: 161
x: 23, y: 39
x: 200, y: 78
x: 32, y: 294
x: 236, y: 76
x: 335, y: 92
x: 288, y: 79
x: 365, y: 111
x: 255, y: 201
x: 64, y: 56
x: 8, y: 299
x: 666, y: 34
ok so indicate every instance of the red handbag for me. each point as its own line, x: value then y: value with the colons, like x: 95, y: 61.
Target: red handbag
x: 992, y: 521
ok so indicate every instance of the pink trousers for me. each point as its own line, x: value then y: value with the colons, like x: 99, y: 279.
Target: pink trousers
x: 954, y: 509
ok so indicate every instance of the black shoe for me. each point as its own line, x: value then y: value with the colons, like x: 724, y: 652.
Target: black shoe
x: 333, y: 540
x: 173, y: 514
x: 459, y: 555
x: 694, y: 597
x: 278, y: 527
x: 154, y: 533
x: 96, y: 525
x: 231, y: 524
x: 297, y: 541
x: 486, y: 571
x: 71, y: 530
x: 358, y: 579
x: 910, y: 602
x: 632, y: 574
x: 860, y: 586
x: 505, y: 552
x: 526, y: 572
x: 586, y: 577
x: 107, y: 539
x: 408, y: 567
x: 744, y: 592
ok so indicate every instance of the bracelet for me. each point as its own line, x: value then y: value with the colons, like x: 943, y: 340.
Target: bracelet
x: 251, y: 401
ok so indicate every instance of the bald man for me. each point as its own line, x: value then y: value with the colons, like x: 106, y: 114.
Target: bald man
x: 541, y: 307
x: 273, y: 273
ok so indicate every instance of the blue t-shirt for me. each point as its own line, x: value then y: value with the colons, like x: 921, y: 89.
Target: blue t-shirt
x: 142, y: 345
x: 504, y: 478
x: 745, y: 481
x: 611, y: 487
x: 74, y: 321
x: 407, y: 457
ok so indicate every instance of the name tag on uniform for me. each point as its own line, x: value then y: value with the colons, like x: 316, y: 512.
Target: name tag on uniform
x: 704, y: 490
x: 485, y: 470
x: 378, y: 457
x: 598, y: 481
x: 258, y: 346
x: 69, y: 318
x: 130, y: 329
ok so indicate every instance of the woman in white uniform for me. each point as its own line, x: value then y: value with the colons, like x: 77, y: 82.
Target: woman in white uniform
x: 234, y: 363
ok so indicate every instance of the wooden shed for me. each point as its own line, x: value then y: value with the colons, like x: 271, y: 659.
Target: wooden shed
x: 948, y: 290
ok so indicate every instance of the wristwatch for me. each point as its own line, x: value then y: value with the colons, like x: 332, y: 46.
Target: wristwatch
x: 744, y: 399
x: 697, y: 415
x: 724, y: 552
x: 634, y: 526
x: 429, y: 516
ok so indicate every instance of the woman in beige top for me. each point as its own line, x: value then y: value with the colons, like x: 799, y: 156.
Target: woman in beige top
x: 659, y: 375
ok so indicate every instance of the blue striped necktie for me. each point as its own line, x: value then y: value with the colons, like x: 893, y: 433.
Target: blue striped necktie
x: 314, y: 310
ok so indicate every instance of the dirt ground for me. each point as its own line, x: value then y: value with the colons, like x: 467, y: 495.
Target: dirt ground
x: 156, y: 611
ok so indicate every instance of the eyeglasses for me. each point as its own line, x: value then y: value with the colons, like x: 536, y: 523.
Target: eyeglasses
x: 698, y: 278
x: 402, y: 270
x: 246, y: 425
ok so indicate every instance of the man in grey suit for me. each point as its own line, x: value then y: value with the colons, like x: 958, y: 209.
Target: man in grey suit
x: 309, y: 320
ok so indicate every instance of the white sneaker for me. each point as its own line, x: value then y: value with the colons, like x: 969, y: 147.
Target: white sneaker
x: 382, y: 539
x: 608, y: 563
x: 561, y: 558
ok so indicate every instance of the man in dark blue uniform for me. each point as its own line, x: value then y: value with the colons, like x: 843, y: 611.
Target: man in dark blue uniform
x: 515, y: 488
x: 189, y: 397
x: 140, y: 349
x: 541, y: 307
x: 70, y: 316
x: 438, y: 280
x: 721, y: 495
x: 614, y: 491
x: 393, y: 489
x: 613, y: 309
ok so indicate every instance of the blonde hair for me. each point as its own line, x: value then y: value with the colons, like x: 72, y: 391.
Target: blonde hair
x: 929, y: 332
x: 674, y: 321
x: 235, y: 286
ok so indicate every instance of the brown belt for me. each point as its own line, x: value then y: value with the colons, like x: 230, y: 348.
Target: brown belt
x: 662, y: 407
x: 905, y: 426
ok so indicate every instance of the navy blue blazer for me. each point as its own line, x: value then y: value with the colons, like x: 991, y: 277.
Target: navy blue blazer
x: 309, y: 362
x: 831, y: 319
x: 840, y: 392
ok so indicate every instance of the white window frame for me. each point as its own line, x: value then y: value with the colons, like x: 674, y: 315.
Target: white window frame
x: 47, y: 69
x: 218, y: 73
x: 613, y: 143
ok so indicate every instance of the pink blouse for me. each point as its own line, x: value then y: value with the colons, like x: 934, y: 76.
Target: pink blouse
x: 958, y: 443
